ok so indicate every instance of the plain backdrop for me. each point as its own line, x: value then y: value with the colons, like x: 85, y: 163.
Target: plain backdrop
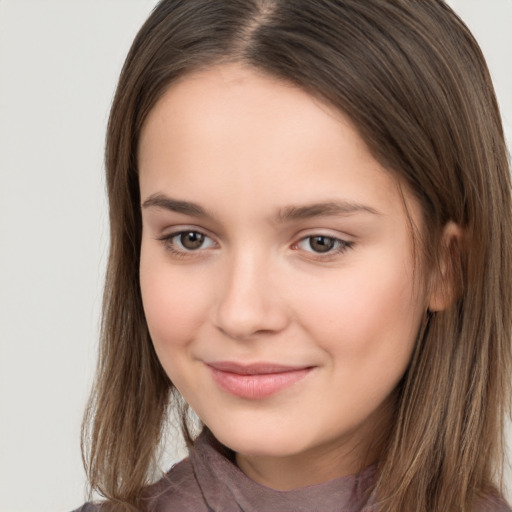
x: 59, y: 62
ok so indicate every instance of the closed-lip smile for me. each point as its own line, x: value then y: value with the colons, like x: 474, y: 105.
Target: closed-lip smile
x: 255, y: 381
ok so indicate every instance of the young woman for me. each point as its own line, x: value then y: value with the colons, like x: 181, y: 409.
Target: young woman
x: 310, y: 247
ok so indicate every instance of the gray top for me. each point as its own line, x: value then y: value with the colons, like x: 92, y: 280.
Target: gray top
x: 209, y: 480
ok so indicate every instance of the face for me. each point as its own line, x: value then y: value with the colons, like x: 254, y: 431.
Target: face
x: 276, y: 271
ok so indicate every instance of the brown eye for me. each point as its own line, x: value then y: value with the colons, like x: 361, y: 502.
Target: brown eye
x: 191, y: 240
x: 187, y: 243
x: 321, y: 243
x: 324, y: 246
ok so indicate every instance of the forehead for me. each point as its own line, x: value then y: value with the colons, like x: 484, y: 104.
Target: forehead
x: 232, y: 129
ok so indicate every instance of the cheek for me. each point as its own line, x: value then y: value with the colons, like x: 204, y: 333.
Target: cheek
x: 366, y: 326
x: 366, y: 318
x: 174, y: 304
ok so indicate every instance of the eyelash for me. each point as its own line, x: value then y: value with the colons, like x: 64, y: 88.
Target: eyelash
x: 170, y: 246
x: 340, y: 246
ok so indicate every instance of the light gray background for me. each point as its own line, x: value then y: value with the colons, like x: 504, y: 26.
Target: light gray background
x: 59, y: 61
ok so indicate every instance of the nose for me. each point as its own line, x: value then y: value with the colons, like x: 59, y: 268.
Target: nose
x: 250, y: 305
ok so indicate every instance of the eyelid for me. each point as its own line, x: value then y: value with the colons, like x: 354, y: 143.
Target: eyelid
x: 185, y: 249
x: 337, y: 240
x: 168, y: 235
x: 342, y: 244
x: 326, y: 232
x: 175, y: 229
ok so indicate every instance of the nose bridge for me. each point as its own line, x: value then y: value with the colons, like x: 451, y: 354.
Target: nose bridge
x: 248, y: 303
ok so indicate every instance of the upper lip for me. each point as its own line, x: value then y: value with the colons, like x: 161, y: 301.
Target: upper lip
x: 254, y: 368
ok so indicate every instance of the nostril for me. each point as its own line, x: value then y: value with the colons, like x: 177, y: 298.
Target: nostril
x: 246, y: 334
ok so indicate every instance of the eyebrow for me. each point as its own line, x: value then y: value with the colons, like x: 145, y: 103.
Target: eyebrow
x: 285, y: 214
x: 175, y: 205
x: 328, y: 208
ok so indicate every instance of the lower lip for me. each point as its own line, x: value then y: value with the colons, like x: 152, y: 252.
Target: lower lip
x: 258, y: 386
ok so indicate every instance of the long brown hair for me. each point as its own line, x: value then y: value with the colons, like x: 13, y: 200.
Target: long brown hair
x: 414, y: 82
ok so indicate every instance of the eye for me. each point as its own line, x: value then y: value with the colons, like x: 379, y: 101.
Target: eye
x: 187, y: 241
x: 321, y: 244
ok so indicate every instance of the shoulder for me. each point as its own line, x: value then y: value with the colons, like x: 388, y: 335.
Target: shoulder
x: 492, y: 503
x: 88, y: 507
x: 177, y: 491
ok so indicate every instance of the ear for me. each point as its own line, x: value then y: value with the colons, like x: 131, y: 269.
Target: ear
x: 445, y: 284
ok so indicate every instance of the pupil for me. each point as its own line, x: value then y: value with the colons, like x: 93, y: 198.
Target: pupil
x: 192, y: 240
x: 321, y: 243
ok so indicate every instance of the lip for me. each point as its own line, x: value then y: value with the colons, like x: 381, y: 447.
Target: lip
x: 258, y: 380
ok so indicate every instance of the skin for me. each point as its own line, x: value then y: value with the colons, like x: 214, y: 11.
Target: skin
x: 252, y: 151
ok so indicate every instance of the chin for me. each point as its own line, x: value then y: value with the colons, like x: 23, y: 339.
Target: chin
x: 260, y: 442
